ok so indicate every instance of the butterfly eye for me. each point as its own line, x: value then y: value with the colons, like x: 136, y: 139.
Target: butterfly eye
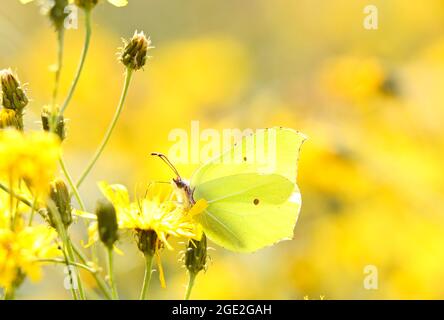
x: 256, y: 201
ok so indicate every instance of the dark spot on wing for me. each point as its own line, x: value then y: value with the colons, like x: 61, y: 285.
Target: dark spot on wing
x: 256, y: 201
x: 245, y: 158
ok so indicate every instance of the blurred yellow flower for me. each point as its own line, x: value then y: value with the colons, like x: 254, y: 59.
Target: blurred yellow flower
x: 352, y: 78
x: 32, y: 157
x: 20, y: 250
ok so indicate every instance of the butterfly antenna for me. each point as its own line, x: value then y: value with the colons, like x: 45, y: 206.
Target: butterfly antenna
x: 167, y: 161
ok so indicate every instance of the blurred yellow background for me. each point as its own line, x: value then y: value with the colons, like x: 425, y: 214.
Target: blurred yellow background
x: 370, y: 101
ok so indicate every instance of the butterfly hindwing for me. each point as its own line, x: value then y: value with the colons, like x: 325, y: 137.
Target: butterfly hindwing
x: 248, y: 211
x: 253, y: 199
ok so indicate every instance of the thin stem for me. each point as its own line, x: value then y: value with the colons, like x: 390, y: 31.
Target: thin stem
x: 11, y: 204
x: 17, y: 196
x: 72, y: 260
x: 99, y: 280
x: 71, y: 183
x: 112, y: 281
x: 81, y: 63
x: 147, y: 277
x: 77, y: 264
x: 31, y: 217
x: 67, y: 244
x: 60, y: 45
x: 71, y: 279
x: 192, y: 277
x: 110, y: 129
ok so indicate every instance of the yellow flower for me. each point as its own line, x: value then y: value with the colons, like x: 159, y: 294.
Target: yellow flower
x: 32, y: 157
x: 20, y: 250
x: 159, y: 210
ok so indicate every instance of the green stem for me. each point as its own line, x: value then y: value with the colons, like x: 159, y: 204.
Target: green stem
x: 110, y: 129
x: 68, y: 264
x: 81, y: 63
x: 99, y: 280
x: 34, y: 205
x: 60, y: 41
x: 147, y: 277
x: 72, y: 261
x: 192, y: 277
x: 67, y: 244
x: 77, y: 264
x: 112, y: 281
x: 17, y: 196
x: 71, y: 183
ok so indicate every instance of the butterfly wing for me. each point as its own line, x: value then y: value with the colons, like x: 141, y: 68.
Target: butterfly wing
x: 252, y: 202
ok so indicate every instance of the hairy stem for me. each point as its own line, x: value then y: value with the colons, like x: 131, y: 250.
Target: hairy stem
x: 112, y: 281
x: 147, y: 277
x: 81, y: 63
x: 192, y: 277
x: 71, y: 183
x: 60, y: 45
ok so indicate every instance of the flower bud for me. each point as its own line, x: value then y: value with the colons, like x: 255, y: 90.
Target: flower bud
x: 134, y: 53
x: 57, y: 13
x: 107, y: 222
x: 52, y: 121
x: 13, y: 96
x: 60, y: 195
x: 196, y: 255
x: 86, y: 4
x: 8, y: 119
x: 147, y: 241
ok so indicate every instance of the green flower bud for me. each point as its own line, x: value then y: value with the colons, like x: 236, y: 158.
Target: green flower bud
x: 134, y: 53
x: 107, y: 222
x: 13, y: 95
x: 146, y: 241
x: 196, y: 255
x: 60, y: 195
x: 51, y: 119
x: 8, y: 119
x: 86, y: 4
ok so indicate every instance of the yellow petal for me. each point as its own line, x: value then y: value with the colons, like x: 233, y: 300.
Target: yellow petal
x: 116, y: 193
x: 84, y: 214
x: 198, y: 207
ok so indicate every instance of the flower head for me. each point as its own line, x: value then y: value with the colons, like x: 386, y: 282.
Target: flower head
x: 107, y: 222
x: 52, y: 121
x: 60, y: 195
x: 196, y: 255
x: 32, y: 157
x: 13, y: 95
x: 134, y: 53
x: 20, y: 251
x: 8, y: 118
x: 158, y: 211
